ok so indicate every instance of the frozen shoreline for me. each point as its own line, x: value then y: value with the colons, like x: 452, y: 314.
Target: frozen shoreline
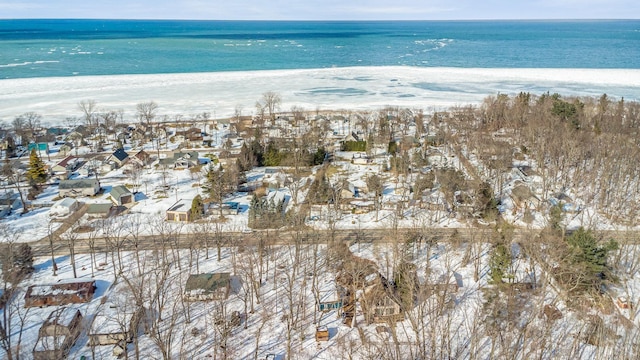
x: 219, y: 93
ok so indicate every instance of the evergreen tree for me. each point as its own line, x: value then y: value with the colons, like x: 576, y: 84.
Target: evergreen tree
x: 36, y: 174
x: 587, y: 251
x: 499, y: 264
x: 23, y: 259
x: 218, y: 183
x: 197, y: 207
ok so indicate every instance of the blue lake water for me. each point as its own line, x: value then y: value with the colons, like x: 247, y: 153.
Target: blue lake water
x: 47, y: 48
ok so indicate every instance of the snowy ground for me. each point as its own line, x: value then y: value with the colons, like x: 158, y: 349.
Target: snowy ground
x: 461, y: 325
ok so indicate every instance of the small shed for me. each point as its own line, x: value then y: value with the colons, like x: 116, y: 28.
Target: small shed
x: 204, y: 287
x: 322, y: 333
x: 64, y: 207
x: 120, y: 195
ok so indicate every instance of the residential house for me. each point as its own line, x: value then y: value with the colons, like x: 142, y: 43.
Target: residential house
x: 79, y: 187
x: 180, y: 211
x: 65, y: 167
x: 381, y: 301
x: 192, y: 137
x: 354, y: 189
x: 204, y: 287
x: 120, y: 195
x: 64, y: 207
x: 58, y: 334
x: 119, y: 158
x: 112, y: 325
x: 523, y: 197
x: 9, y: 201
x: 101, y: 210
x: 180, y: 160
x: 57, y: 131
x: 75, y: 137
x: 141, y: 158
x: 59, y: 294
x: 276, y: 198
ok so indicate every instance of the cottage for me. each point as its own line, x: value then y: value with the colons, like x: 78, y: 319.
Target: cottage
x: 9, y: 201
x: 180, y: 211
x: 120, y: 195
x: 203, y: 287
x: 79, y: 187
x: 119, y: 157
x: 64, y: 207
x: 192, y: 136
x: 180, y: 160
x: 381, y: 301
x: 59, y: 294
x: 141, y: 158
x: 63, y: 168
x: 112, y: 325
x: 58, y: 334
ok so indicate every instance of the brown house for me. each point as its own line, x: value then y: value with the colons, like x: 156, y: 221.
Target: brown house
x: 59, y: 294
x: 381, y: 302
x: 141, y: 158
x: 58, y: 334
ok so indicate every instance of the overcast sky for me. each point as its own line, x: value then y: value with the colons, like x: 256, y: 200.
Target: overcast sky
x: 322, y: 9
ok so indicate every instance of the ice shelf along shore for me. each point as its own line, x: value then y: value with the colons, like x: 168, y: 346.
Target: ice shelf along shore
x: 350, y: 88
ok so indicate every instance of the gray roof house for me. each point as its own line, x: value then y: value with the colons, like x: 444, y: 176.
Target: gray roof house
x: 203, y: 287
x: 180, y: 160
x: 120, y: 195
x: 78, y: 187
x: 101, y: 210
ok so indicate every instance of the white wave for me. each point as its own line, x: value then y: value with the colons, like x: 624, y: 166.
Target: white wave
x: 351, y: 88
x: 25, y: 63
x: 46, y: 61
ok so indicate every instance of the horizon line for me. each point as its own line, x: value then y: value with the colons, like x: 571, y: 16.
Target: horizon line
x: 325, y: 20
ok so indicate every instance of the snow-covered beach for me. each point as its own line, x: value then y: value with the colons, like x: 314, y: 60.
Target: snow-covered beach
x: 220, y: 93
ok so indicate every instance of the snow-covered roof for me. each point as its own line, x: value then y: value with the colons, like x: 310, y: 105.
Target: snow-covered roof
x: 62, y: 316
x: 182, y: 205
x: 46, y: 343
x: 65, y: 203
